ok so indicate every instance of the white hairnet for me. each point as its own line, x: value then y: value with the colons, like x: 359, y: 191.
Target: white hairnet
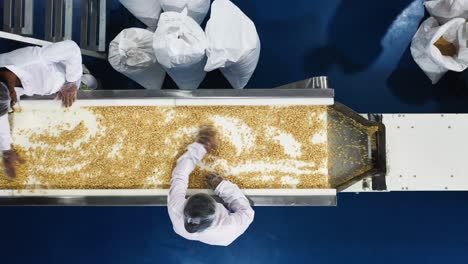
x: 199, y: 212
x: 5, y: 99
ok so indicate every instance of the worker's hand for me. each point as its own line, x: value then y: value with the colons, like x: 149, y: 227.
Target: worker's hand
x: 213, y: 179
x: 208, y: 138
x: 68, y: 94
x: 10, y: 158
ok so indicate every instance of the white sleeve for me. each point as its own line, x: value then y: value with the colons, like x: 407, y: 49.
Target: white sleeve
x: 180, y: 176
x: 5, y: 135
x: 69, y: 54
x: 241, y: 213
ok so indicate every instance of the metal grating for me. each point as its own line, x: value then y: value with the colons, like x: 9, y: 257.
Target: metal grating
x: 18, y: 16
x: 93, y: 24
x: 18, y: 23
x: 58, y: 20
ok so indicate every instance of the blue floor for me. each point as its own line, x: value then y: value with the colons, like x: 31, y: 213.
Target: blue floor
x: 364, y: 228
x: 363, y: 46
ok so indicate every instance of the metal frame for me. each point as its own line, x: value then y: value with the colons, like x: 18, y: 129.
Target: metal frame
x: 40, y: 42
x: 157, y: 201
x: 427, y: 152
x: 318, y: 82
x: 200, y: 93
x: 59, y: 20
x: 93, y: 24
x: 379, y: 157
x: 158, y: 197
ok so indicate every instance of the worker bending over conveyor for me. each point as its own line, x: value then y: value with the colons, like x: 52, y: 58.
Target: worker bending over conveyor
x: 200, y: 217
x: 55, y: 68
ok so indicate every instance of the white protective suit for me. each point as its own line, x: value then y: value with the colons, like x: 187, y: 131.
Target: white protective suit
x: 228, y: 224
x: 5, y: 137
x: 42, y: 71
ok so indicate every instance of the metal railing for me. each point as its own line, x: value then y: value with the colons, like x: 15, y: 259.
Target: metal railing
x: 18, y: 23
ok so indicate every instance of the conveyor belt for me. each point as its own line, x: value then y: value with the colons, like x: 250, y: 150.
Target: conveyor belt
x: 339, y: 177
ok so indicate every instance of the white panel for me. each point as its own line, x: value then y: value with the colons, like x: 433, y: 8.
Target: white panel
x: 103, y: 102
x: 164, y: 192
x: 256, y: 101
x: 183, y: 102
x: 74, y: 193
x: 6, y: 193
x: 427, y: 151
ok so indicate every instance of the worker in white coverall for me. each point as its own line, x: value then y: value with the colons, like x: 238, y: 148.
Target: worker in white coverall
x: 200, y: 217
x: 55, y: 68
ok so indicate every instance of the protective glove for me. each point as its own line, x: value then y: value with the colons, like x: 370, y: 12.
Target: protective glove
x: 68, y: 94
x: 207, y: 137
x: 10, y: 158
x: 213, y: 179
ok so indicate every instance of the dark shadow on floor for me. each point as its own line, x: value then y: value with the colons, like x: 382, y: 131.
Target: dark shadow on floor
x: 212, y: 80
x: 282, y: 48
x: 409, y: 83
x: 279, y: 55
x: 354, y: 36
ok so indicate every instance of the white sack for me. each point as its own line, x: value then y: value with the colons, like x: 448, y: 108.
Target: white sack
x: 428, y: 56
x: 131, y: 53
x: 179, y: 45
x: 233, y: 43
x: 147, y: 11
x: 197, y: 9
x: 444, y: 10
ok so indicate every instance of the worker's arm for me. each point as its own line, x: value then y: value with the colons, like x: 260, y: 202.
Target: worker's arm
x: 67, y: 53
x: 180, y: 175
x: 241, y: 213
x: 206, y: 141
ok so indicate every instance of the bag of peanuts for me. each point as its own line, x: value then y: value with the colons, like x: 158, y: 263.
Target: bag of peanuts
x: 445, y: 10
x: 179, y: 44
x: 131, y: 53
x: 233, y: 43
x: 197, y: 9
x: 147, y: 11
x: 440, y: 48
